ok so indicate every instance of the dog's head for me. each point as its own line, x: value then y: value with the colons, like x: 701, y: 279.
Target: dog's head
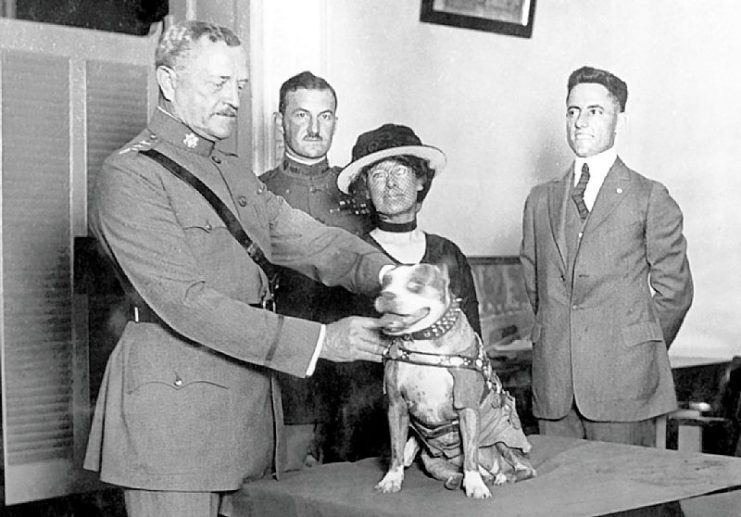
x: 413, y: 297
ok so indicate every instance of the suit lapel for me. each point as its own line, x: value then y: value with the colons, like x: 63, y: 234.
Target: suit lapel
x: 557, y: 198
x: 615, y: 187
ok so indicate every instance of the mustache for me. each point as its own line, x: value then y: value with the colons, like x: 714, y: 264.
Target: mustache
x: 227, y: 112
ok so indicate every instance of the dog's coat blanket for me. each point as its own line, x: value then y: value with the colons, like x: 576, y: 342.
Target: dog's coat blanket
x: 473, y: 385
x: 440, y: 383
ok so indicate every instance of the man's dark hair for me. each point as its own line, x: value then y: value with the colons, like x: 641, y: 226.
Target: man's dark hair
x: 616, y: 86
x: 305, y: 80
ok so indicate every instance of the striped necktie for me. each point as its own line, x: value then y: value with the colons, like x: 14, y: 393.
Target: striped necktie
x: 578, y: 193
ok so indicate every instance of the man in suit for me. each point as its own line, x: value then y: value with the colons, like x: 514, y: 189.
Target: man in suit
x: 307, y: 114
x: 188, y: 408
x: 607, y: 274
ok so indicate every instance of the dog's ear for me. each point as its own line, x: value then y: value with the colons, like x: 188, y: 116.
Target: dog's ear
x: 444, y: 276
x: 445, y: 273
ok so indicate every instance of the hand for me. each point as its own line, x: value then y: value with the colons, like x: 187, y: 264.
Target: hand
x: 352, y: 339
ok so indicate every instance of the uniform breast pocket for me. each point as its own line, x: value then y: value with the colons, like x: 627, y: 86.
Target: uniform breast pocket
x: 201, y: 222
x: 201, y: 226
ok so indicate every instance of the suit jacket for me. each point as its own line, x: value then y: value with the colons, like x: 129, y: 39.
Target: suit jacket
x: 602, y: 331
x: 188, y: 403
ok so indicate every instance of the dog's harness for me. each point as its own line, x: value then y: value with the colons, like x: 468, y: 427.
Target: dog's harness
x: 445, y: 439
x: 479, y: 362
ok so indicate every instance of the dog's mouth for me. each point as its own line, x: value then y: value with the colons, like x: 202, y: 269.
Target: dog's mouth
x: 395, y: 323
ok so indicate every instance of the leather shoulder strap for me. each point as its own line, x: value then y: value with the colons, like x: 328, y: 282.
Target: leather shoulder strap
x: 231, y: 221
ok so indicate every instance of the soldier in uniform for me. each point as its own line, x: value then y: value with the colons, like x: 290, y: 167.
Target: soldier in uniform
x: 312, y: 408
x: 307, y: 114
x: 189, y: 408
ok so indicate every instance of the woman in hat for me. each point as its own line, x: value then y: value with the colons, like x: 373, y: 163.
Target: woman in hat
x: 392, y: 171
x: 390, y: 174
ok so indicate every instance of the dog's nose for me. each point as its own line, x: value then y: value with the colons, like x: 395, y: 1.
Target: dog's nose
x: 384, y: 300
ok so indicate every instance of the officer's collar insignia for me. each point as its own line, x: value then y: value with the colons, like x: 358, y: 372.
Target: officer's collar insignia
x: 190, y: 141
x: 302, y: 169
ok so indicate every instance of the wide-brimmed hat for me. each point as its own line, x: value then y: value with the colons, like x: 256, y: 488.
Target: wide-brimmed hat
x: 387, y: 141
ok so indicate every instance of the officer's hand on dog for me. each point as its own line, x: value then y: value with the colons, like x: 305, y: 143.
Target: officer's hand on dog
x: 353, y: 338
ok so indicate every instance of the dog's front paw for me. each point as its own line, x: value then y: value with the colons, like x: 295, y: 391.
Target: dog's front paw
x: 391, y: 482
x: 524, y: 472
x: 475, y: 486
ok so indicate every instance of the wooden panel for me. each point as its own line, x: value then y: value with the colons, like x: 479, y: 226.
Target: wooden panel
x: 116, y: 110
x: 36, y: 259
x: 37, y: 356
x: 68, y: 97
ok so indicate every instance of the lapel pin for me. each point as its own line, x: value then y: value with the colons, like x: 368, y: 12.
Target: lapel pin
x: 619, y: 191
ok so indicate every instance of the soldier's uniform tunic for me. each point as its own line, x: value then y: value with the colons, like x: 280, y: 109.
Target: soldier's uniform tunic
x: 187, y: 401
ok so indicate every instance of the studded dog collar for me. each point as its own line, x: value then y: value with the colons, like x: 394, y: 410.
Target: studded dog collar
x: 441, y: 326
x: 479, y: 361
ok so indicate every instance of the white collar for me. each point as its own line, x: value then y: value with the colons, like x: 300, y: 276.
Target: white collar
x: 599, y: 165
x: 302, y: 159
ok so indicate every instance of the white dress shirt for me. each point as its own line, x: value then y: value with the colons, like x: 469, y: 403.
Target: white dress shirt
x: 599, y: 165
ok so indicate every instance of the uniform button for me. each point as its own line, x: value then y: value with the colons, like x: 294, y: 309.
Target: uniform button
x: 152, y: 136
x: 580, y: 234
x: 208, y: 227
x: 216, y: 159
x: 261, y: 190
x: 242, y: 200
x: 575, y: 307
x: 178, y: 382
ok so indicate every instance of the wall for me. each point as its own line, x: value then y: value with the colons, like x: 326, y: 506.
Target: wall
x: 495, y: 104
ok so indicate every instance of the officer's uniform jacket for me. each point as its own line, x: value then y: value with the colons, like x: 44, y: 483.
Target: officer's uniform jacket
x: 187, y: 403
x: 313, y: 189
x: 607, y: 306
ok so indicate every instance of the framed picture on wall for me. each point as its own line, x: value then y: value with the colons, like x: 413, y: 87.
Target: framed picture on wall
x: 511, y: 17
x: 506, y: 314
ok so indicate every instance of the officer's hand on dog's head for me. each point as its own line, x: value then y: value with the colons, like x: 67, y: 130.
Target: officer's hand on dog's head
x: 352, y: 339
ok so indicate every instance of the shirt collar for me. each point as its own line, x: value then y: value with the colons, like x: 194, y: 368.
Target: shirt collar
x: 167, y: 127
x: 302, y: 159
x: 294, y: 168
x: 599, y: 164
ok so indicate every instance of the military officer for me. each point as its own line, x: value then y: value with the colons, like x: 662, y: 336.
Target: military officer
x: 188, y: 408
x: 307, y: 114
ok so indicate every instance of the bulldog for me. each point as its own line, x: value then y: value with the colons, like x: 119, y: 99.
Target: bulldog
x: 440, y: 383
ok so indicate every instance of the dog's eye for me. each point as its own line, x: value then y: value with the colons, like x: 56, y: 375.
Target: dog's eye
x: 415, y: 287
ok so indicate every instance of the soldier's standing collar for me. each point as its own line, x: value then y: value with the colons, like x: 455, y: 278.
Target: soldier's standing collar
x: 178, y: 134
x: 295, y: 168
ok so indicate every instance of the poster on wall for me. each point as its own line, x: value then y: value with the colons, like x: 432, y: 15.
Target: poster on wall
x: 506, y: 314
x: 510, y: 17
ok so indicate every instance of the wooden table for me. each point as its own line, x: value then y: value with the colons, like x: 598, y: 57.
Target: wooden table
x: 575, y: 478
